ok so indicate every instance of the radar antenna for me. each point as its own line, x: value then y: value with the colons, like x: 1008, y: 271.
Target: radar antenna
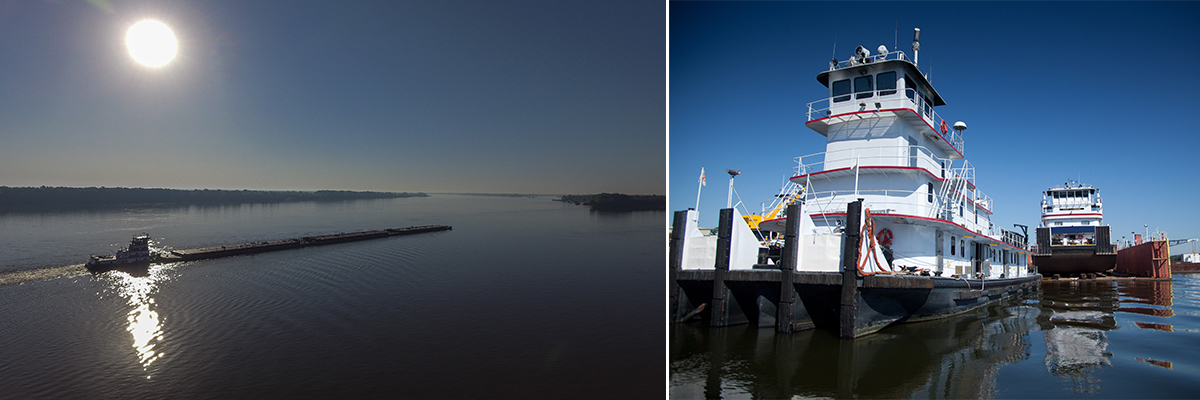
x: 916, y: 45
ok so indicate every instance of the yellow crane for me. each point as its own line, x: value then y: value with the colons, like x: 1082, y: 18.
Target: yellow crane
x: 788, y: 194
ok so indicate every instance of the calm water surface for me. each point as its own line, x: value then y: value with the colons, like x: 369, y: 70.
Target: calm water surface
x: 525, y: 297
x: 1079, y: 339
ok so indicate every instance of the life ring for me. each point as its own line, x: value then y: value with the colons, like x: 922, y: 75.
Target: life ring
x: 885, y: 237
x: 944, y: 130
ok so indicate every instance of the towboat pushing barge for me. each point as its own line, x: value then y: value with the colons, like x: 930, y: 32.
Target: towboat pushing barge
x: 889, y: 227
x: 138, y: 253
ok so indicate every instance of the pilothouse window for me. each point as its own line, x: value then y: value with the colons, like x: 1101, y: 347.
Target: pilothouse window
x: 910, y: 88
x: 862, y: 86
x: 841, y: 90
x: 887, y: 83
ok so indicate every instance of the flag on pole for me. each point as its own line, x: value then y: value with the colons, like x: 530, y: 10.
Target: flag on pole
x: 701, y: 176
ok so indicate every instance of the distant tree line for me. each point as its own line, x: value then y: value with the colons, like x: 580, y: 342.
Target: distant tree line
x: 617, y: 201
x: 89, y: 197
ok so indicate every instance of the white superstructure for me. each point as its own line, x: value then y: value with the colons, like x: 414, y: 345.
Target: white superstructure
x: 887, y: 144
x: 1072, y: 211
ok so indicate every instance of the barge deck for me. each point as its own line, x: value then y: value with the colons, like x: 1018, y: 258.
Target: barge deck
x: 284, y: 244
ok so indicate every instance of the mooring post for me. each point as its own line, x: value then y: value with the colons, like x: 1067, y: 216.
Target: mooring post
x: 848, y: 311
x: 676, y: 261
x: 720, y: 311
x: 787, y: 268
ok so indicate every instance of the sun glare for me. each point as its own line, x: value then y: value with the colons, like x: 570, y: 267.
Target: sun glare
x: 151, y: 43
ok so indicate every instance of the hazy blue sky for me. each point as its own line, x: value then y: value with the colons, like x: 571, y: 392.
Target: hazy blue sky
x: 474, y: 96
x: 1102, y: 92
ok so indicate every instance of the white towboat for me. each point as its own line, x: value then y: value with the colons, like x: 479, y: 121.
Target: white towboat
x: 136, y: 255
x: 929, y: 248
x: 1072, y: 239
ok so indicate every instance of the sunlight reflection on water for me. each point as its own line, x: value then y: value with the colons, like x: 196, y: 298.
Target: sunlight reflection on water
x: 144, y: 323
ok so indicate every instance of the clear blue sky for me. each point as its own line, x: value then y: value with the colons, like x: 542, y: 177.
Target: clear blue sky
x: 1101, y: 92
x: 469, y: 96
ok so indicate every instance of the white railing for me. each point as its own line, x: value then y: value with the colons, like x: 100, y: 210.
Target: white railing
x: 908, y: 202
x: 786, y: 196
x: 983, y: 200
x: 891, y: 156
x: 868, y: 101
x: 855, y: 61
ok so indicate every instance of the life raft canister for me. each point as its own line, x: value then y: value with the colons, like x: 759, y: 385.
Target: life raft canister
x: 944, y: 130
x: 885, y: 237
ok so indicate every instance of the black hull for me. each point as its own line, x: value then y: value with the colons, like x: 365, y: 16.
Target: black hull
x: 1074, y: 261
x: 881, y: 301
x: 141, y: 268
x: 754, y: 297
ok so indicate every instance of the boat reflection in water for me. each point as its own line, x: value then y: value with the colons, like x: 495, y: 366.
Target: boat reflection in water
x: 1074, y: 318
x: 1076, y: 314
x: 954, y: 357
x: 958, y: 357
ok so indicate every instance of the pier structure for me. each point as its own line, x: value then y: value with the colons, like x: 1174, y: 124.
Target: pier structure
x: 786, y: 298
x: 765, y: 295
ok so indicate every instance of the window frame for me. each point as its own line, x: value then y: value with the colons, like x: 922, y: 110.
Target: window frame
x: 870, y: 90
x: 879, y: 86
x: 838, y: 98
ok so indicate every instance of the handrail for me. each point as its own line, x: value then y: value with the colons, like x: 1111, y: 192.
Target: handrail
x: 894, y: 156
x: 912, y: 202
x: 912, y: 99
x: 854, y: 61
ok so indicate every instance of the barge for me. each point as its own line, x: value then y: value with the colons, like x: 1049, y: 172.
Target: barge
x: 274, y: 245
x: 888, y: 227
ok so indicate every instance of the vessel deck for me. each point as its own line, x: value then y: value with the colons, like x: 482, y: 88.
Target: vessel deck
x: 284, y: 244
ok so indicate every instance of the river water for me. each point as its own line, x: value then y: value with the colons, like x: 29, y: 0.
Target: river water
x: 525, y: 297
x: 1070, y: 339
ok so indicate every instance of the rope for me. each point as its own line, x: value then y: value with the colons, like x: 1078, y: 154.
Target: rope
x: 868, y: 230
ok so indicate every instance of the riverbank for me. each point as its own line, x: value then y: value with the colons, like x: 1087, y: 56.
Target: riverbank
x: 59, y: 198
x: 617, y: 202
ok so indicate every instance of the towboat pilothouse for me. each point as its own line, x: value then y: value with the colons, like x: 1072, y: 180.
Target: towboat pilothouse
x: 889, y: 225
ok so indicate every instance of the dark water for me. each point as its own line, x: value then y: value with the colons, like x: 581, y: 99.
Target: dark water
x: 1090, y: 339
x: 525, y: 297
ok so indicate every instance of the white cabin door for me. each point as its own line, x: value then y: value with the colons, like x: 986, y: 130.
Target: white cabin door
x: 912, y: 152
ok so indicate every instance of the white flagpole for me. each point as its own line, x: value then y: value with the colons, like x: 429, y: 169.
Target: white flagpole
x: 856, y: 177
x: 698, y: 189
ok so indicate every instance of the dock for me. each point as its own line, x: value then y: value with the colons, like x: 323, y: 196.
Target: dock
x: 787, y: 298
x: 285, y: 244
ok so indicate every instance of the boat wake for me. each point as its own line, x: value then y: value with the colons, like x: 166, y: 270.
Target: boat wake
x: 17, y: 277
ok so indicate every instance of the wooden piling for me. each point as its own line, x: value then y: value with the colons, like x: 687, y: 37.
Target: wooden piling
x: 720, y: 297
x: 848, y: 310
x: 676, y: 261
x: 784, y: 319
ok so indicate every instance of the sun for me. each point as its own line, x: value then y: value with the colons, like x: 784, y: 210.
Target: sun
x: 151, y: 43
